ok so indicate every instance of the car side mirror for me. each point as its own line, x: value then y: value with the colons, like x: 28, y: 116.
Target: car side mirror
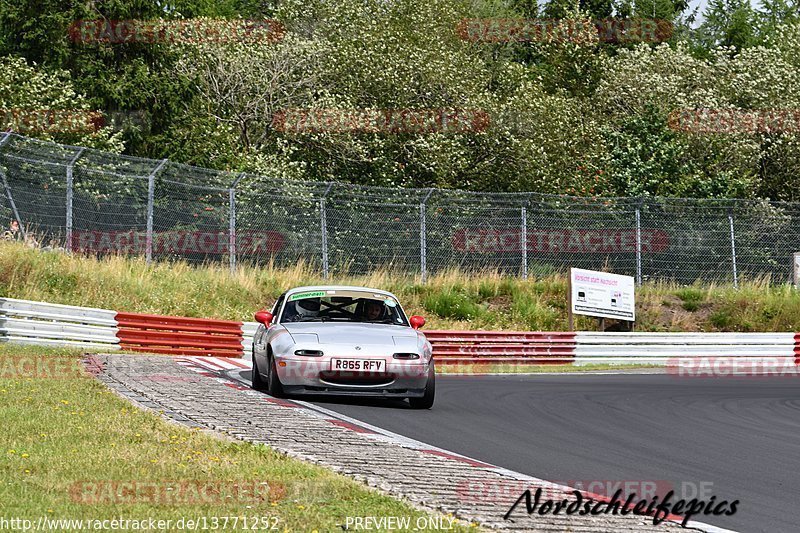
x: 264, y: 316
x: 417, y: 321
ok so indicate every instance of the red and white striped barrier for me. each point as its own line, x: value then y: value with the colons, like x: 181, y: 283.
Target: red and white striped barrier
x: 174, y: 335
x: 506, y: 347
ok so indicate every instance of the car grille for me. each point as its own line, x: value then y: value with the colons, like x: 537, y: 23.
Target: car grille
x: 354, y: 378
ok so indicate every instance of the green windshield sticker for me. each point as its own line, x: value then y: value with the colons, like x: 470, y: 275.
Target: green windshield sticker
x: 390, y: 302
x: 302, y: 295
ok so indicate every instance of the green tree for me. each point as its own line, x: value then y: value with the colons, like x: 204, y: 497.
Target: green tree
x: 596, y: 9
x: 137, y: 77
x: 729, y: 23
x: 775, y: 13
x: 46, y: 105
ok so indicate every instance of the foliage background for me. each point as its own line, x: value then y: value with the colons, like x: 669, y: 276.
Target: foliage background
x: 587, y: 118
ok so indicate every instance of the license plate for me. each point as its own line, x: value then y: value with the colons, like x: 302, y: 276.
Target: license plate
x: 359, y: 365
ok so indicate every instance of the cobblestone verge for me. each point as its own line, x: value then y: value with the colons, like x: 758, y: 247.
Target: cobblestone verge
x: 431, y: 481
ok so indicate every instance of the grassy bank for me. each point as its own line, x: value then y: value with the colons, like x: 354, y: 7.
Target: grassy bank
x: 71, y: 449
x: 448, y: 300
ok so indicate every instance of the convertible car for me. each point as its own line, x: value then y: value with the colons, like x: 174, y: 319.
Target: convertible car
x: 346, y: 341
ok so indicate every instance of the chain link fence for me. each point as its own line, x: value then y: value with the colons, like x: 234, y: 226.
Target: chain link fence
x: 88, y: 201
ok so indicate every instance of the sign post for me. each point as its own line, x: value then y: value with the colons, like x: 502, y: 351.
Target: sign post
x: 570, y: 316
x: 601, y: 295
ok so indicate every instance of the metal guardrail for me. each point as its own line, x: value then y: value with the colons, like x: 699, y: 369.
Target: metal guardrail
x: 588, y: 338
x: 669, y: 349
x: 585, y: 348
x: 509, y: 347
x: 248, y: 330
x: 43, y: 323
x: 174, y: 335
x: 54, y: 324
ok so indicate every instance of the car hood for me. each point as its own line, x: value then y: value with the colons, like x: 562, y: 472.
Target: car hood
x: 348, y: 333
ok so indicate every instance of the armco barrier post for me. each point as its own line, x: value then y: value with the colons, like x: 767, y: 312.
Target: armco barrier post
x: 70, y: 195
x: 733, y: 251
x: 151, y: 198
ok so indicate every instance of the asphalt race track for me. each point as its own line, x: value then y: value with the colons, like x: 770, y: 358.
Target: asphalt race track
x: 736, y: 438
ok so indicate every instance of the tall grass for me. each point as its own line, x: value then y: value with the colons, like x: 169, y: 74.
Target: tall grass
x: 67, y: 431
x: 449, y: 299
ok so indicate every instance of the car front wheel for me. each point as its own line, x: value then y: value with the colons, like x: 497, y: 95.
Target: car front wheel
x: 256, y: 381
x: 426, y: 400
x: 274, y: 386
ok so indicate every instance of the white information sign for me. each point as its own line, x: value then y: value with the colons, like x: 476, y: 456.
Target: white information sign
x: 602, y: 294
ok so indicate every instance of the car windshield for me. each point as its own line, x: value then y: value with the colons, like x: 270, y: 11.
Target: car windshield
x: 343, y: 306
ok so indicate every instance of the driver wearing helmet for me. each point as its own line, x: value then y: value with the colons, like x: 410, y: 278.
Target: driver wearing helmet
x: 305, y: 309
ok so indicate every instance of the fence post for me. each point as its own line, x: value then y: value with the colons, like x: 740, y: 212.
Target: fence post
x: 733, y: 251
x: 639, y: 244
x: 524, y: 242
x: 323, y: 221
x: 70, y: 195
x: 11, y: 203
x: 151, y: 193
x: 232, y: 223
x: 423, y: 243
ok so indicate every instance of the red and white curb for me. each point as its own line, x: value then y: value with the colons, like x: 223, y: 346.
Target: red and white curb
x: 228, y: 372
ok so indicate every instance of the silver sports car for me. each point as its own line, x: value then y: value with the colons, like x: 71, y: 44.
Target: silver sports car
x: 336, y: 340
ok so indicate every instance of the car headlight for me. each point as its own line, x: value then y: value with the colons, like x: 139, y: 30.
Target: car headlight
x: 406, y: 356
x: 309, y: 353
